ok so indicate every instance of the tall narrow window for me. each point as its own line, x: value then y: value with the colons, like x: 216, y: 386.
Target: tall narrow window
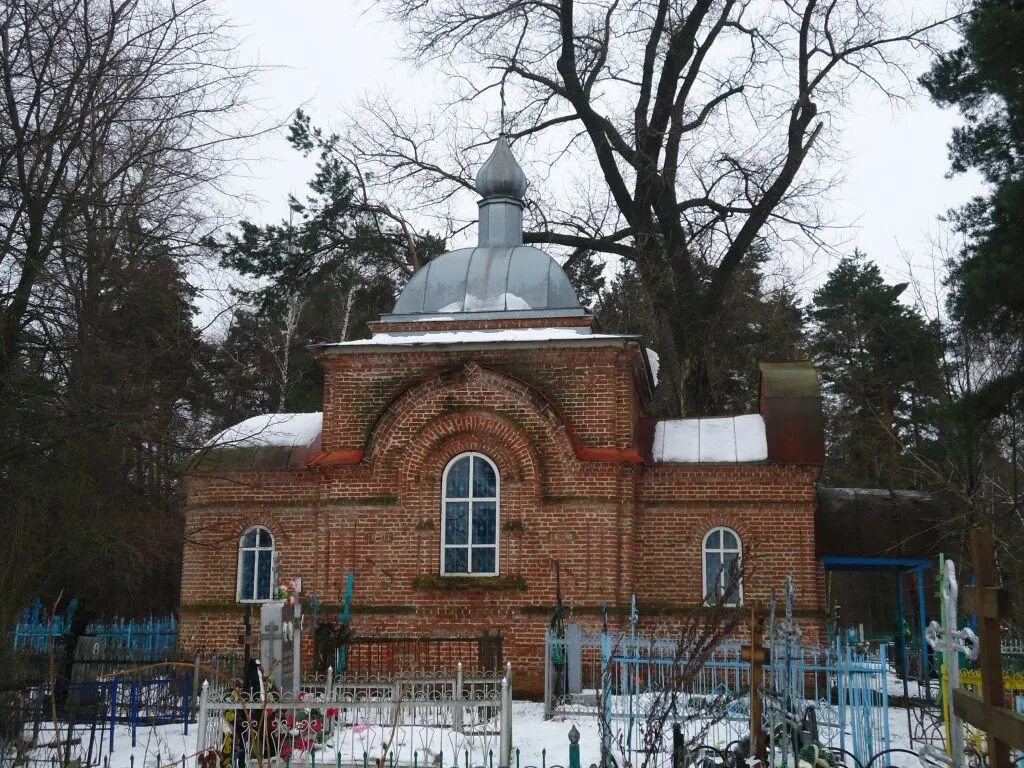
x: 469, y: 514
x: 722, y: 582
x: 255, y: 565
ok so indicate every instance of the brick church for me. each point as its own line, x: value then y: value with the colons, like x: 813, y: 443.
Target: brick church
x: 485, y: 436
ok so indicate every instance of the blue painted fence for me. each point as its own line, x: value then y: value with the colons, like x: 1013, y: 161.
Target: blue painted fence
x: 624, y: 678
x: 147, y: 639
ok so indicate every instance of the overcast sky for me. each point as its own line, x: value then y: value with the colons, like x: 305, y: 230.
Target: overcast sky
x: 327, y: 53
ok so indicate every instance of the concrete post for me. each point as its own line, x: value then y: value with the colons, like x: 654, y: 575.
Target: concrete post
x: 549, y: 693
x: 194, y: 699
x: 505, y: 753
x: 457, y: 710
x: 204, y: 695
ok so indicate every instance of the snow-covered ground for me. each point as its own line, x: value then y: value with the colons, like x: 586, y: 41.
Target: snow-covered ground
x: 539, y: 742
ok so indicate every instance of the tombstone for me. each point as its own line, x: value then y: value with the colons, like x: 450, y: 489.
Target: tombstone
x: 281, y: 643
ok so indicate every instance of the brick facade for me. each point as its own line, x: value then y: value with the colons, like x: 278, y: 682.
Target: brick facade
x: 560, y: 422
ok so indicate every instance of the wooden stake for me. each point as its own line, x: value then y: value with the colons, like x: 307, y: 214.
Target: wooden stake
x: 1003, y: 728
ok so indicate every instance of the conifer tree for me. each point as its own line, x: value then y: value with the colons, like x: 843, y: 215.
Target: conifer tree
x: 759, y: 321
x: 879, y: 364
x: 982, y: 78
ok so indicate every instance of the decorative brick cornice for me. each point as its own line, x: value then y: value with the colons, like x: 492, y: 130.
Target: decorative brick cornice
x: 336, y: 458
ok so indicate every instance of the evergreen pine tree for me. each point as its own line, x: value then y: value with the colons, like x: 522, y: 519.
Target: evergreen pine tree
x: 982, y: 78
x: 879, y: 362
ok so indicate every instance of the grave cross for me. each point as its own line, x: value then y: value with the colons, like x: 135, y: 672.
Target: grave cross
x: 757, y: 655
x: 1003, y: 727
x: 247, y: 640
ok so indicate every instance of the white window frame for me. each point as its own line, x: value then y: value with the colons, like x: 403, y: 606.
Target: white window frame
x: 445, y: 498
x: 720, y: 551
x: 256, y: 565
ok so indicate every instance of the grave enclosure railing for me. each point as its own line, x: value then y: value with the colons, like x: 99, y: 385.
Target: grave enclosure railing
x: 445, y: 721
x: 630, y: 681
x: 391, y: 655
x: 88, y: 713
x: 150, y: 638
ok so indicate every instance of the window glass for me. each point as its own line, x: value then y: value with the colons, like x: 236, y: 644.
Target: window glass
x: 458, y: 479
x: 470, y: 516
x: 722, y: 552
x: 255, y: 564
x: 248, y: 578
x: 485, y: 518
x: 484, y: 480
x: 456, y: 522
x: 263, y: 572
x: 729, y: 566
x: 712, y: 575
x: 455, y: 560
x: 483, y: 559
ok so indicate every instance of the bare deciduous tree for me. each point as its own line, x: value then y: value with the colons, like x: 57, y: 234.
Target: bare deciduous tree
x: 103, y: 103
x: 703, y: 121
x: 117, y: 118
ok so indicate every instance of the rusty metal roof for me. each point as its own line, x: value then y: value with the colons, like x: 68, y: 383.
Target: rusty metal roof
x: 791, y: 406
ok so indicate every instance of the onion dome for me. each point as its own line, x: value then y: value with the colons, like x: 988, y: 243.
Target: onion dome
x: 500, y: 277
x: 501, y: 175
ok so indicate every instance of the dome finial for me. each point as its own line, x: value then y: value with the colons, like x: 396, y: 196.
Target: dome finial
x: 501, y: 175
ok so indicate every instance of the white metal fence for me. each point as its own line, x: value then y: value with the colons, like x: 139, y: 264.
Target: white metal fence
x: 430, y: 720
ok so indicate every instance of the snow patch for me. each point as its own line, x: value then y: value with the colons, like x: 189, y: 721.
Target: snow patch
x: 725, y: 440
x: 412, y: 338
x: 498, y: 302
x: 655, y: 362
x: 534, y: 737
x: 276, y: 430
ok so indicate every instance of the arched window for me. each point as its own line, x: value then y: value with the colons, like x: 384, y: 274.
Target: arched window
x: 469, y: 516
x: 255, y: 565
x: 722, y: 582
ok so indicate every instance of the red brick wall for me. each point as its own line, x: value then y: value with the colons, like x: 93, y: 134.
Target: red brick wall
x: 615, y: 528
x: 593, y: 387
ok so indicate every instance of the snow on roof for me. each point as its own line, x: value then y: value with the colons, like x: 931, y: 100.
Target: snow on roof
x: 412, y: 338
x: 726, y: 440
x: 498, y: 302
x: 273, y: 430
x: 654, y: 361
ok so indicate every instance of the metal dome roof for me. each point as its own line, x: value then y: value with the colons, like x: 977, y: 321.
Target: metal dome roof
x: 500, y: 275
x: 501, y: 175
x: 509, y: 278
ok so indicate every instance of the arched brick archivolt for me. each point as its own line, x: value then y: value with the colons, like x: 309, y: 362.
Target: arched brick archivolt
x: 474, y: 409
x: 506, y: 413
x: 426, y: 456
x: 450, y: 435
